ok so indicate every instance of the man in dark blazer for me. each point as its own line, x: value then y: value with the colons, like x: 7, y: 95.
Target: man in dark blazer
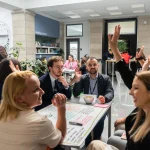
x: 97, y: 84
x: 53, y: 82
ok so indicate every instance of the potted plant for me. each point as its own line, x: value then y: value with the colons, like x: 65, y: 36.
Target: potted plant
x: 122, y: 45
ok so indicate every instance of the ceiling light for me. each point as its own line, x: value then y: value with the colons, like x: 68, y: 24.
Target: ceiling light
x: 115, y: 13
x: 137, y: 6
x: 139, y: 11
x: 76, y: 16
x: 112, y: 8
x: 94, y: 15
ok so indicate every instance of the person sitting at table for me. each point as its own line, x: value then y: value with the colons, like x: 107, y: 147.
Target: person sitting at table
x: 21, y: 128
x: 5, y: 70
x: 53, y: 82
x: 140, y: 84
x: 70, y: 63
x: 97, y: 84
x: 83, y: 65
x: 3, y: 53
x: 126, y: 57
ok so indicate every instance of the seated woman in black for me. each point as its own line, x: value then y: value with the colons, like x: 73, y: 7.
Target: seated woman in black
x: 137, y: 123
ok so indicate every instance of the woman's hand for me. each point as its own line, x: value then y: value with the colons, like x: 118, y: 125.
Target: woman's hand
x: 119, y: 121
x: 140, y: 53
x: 59, y: 100
x: 13, y: 67
x: 113, y: 39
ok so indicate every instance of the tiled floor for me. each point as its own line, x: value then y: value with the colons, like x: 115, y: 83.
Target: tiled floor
x: 121, y: 107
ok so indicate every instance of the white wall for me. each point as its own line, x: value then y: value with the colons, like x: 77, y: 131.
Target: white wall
x: 6, y: 17
x: 84, y: 40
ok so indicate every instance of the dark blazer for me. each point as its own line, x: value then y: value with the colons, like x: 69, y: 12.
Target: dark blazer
x: 125, y: 72
x: 104, y: 86
x: 45, y: 84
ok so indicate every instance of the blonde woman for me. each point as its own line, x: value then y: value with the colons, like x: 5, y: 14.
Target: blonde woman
x: 21, y: 128
x: 137, y: 123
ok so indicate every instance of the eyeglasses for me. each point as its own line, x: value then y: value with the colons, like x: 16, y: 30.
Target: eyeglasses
x: 58, y: 67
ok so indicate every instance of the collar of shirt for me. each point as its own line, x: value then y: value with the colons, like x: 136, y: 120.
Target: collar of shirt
x: 52, y: 80
x: 94, y: 78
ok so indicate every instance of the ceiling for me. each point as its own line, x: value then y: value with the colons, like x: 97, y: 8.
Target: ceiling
x: 74, y: 10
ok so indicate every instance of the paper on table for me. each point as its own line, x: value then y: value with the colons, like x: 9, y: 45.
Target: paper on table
x: 101, y: 105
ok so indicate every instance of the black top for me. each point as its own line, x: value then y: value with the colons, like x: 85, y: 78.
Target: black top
x: 128, y: 77
x: 140, y: 145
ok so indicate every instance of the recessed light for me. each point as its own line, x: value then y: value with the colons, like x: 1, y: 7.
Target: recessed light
x: 76, y: 16
x: 115, y: 13
x: 139, y: 11
x: 94, y: 15
x: 137, y: 6
x: 112, y: 8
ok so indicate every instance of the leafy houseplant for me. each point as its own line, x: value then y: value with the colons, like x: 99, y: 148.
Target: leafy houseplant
x: 122, y: 45
x: 38, y: 67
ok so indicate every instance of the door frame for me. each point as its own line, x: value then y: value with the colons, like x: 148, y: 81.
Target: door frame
x: 68, y: 48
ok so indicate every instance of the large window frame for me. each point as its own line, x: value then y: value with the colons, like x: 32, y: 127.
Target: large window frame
x: 74, y: 27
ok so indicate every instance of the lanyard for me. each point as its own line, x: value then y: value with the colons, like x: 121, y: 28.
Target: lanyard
x: 92, y: 91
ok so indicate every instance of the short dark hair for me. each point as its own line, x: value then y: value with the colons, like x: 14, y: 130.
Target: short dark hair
x: 91, y: 58
x: 53, y: 59
x: 5, y: 69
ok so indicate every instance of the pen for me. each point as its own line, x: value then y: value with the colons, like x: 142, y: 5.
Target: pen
x: 75, y: 123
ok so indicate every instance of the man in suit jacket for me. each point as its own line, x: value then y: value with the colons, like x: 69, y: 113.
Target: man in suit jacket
x: 53, y: 82
x: 97, y: 84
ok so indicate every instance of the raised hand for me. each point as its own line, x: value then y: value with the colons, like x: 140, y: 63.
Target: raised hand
x: 113, y: 39
x: 13, y: 67
x: 146, y: 64
x: 113, y: 43
x: 140, y: 53
x: 59, y: 100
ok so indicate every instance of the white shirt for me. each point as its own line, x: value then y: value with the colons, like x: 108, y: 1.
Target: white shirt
x: 52, y: 81
x: 29, y: 131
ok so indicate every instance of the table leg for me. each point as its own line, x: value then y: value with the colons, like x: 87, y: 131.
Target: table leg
x: 105, y: 67
x: 109, y: 122
x: 113, y: 73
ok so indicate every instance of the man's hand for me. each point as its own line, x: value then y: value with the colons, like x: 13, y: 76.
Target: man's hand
x: 77, y: 77
x: 63, y: 81
x: 101, y: 99
x: 59, y: 100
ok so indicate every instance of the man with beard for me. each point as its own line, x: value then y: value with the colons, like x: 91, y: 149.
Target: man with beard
x: 53, y: 82
x: 97, y: 84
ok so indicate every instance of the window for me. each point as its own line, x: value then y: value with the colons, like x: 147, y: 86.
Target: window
x: 73, y: 30
x: 127, y: 27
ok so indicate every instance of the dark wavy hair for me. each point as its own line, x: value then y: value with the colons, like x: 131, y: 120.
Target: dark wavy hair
x: 5, y: 69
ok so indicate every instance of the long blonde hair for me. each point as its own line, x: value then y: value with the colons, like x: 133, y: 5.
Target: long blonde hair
x: 14, y: 85
x: 139, y: 132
